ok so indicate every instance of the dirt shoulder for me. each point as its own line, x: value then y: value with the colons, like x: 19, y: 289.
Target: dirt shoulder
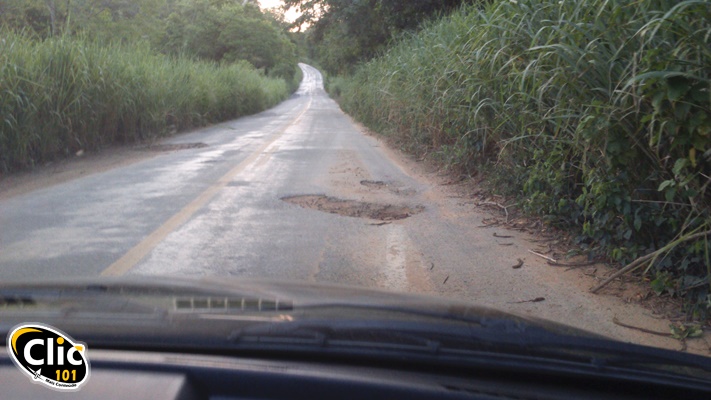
x: 76, y: 167
x: 625, y: 310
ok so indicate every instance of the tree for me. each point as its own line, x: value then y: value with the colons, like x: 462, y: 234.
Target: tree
x: 349, y: 31
x: 38, y: 16
x: 227, y: 31
x: 126, y: 20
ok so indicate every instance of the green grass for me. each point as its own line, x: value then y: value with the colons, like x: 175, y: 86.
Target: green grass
x: 596, y: 113
x: 61, y: 95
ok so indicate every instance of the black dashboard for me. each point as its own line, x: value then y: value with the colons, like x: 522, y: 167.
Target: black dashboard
x: 139, y: 375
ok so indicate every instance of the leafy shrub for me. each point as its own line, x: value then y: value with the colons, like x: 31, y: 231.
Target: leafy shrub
x: 598, y: 111
x: 60, y: 95
x: 228, y: 31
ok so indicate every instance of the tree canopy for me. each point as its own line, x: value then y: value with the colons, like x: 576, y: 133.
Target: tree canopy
x: 225, y: 30
x: 345, y: 32
x: 218, y: 30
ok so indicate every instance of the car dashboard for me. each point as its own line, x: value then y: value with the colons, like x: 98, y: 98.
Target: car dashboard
x: 135, y: 375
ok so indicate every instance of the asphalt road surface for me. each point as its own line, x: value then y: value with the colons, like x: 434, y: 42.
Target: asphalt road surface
x: 297, y: 192
x: 215, y: 206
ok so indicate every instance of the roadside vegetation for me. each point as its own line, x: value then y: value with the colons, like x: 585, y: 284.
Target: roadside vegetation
x: 595, y: 115
x: 84, y: 74
x: 343, y: 33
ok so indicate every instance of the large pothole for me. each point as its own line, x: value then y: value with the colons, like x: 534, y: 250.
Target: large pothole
x: 352, y: 208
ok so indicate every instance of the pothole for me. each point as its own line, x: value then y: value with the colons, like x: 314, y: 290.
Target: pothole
x: 352, y: 208
x: 374, y: 184
x: 173, y: 147
x: 391, y: 186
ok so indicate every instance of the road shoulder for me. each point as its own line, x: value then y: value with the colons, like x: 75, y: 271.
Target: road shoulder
x: 626, y: 310
x: 61, y: 171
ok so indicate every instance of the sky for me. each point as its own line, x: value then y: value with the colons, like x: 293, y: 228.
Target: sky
x: 290, y: 16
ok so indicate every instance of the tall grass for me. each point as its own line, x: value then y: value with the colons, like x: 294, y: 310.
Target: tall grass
x: 61, y: 95
x: 596, y: 113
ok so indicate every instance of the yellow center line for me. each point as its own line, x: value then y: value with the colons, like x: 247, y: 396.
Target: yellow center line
x: 138, y: 252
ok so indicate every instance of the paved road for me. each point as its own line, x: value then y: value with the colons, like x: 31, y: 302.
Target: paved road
x: 218, y: 209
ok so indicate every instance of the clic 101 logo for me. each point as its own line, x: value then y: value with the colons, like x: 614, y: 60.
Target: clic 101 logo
x: 48, y: 356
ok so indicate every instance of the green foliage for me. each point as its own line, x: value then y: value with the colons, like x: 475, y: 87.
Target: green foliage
x: 226, y: 31
x: 344, y: 32
x: 598, y: 114
x: 683, y: 332
x: 217, y: 30
x: 103, y: 20
x: 82, y: 73
x: 64, y: 94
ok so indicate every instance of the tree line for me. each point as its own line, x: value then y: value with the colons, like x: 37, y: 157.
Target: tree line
x: 217, y: 30
x: 343, y: 33
x: 79, y: 75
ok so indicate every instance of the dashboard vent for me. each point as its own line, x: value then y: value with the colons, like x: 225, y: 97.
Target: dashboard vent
x: 12, y: 301
x: 231, y: 304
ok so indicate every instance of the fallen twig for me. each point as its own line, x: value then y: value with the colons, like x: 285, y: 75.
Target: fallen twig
x: 502, y: 236
x: 505, y: 208
x: 651, y: 332
x: 445, y: 280
x: 591, y: 274
x: 651, y: 256
x: 573, y: 265
x: 505, y: 244
x: 380, y: 223
x: 487, y: 224
x: 536, y: 300
x: 542, y: 256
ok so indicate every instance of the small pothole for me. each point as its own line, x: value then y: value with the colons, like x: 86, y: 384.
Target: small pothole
x: 374, y: 184
x: 173, y: 146
x: 352, y: 208
x: 393, y: 187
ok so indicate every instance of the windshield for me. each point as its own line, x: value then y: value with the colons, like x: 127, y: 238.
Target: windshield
x: 548, y: 160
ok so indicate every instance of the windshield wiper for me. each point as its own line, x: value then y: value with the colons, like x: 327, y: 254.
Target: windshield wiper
x: 460, y: 339
x: 355, y: 334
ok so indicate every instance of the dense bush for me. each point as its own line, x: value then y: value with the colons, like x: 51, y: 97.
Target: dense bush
x: 227, y: 31
x: 342, y: 33
x: 60, y: 95
x: 597, y: 113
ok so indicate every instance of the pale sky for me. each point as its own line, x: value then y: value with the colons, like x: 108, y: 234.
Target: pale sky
x: 290, y: 16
